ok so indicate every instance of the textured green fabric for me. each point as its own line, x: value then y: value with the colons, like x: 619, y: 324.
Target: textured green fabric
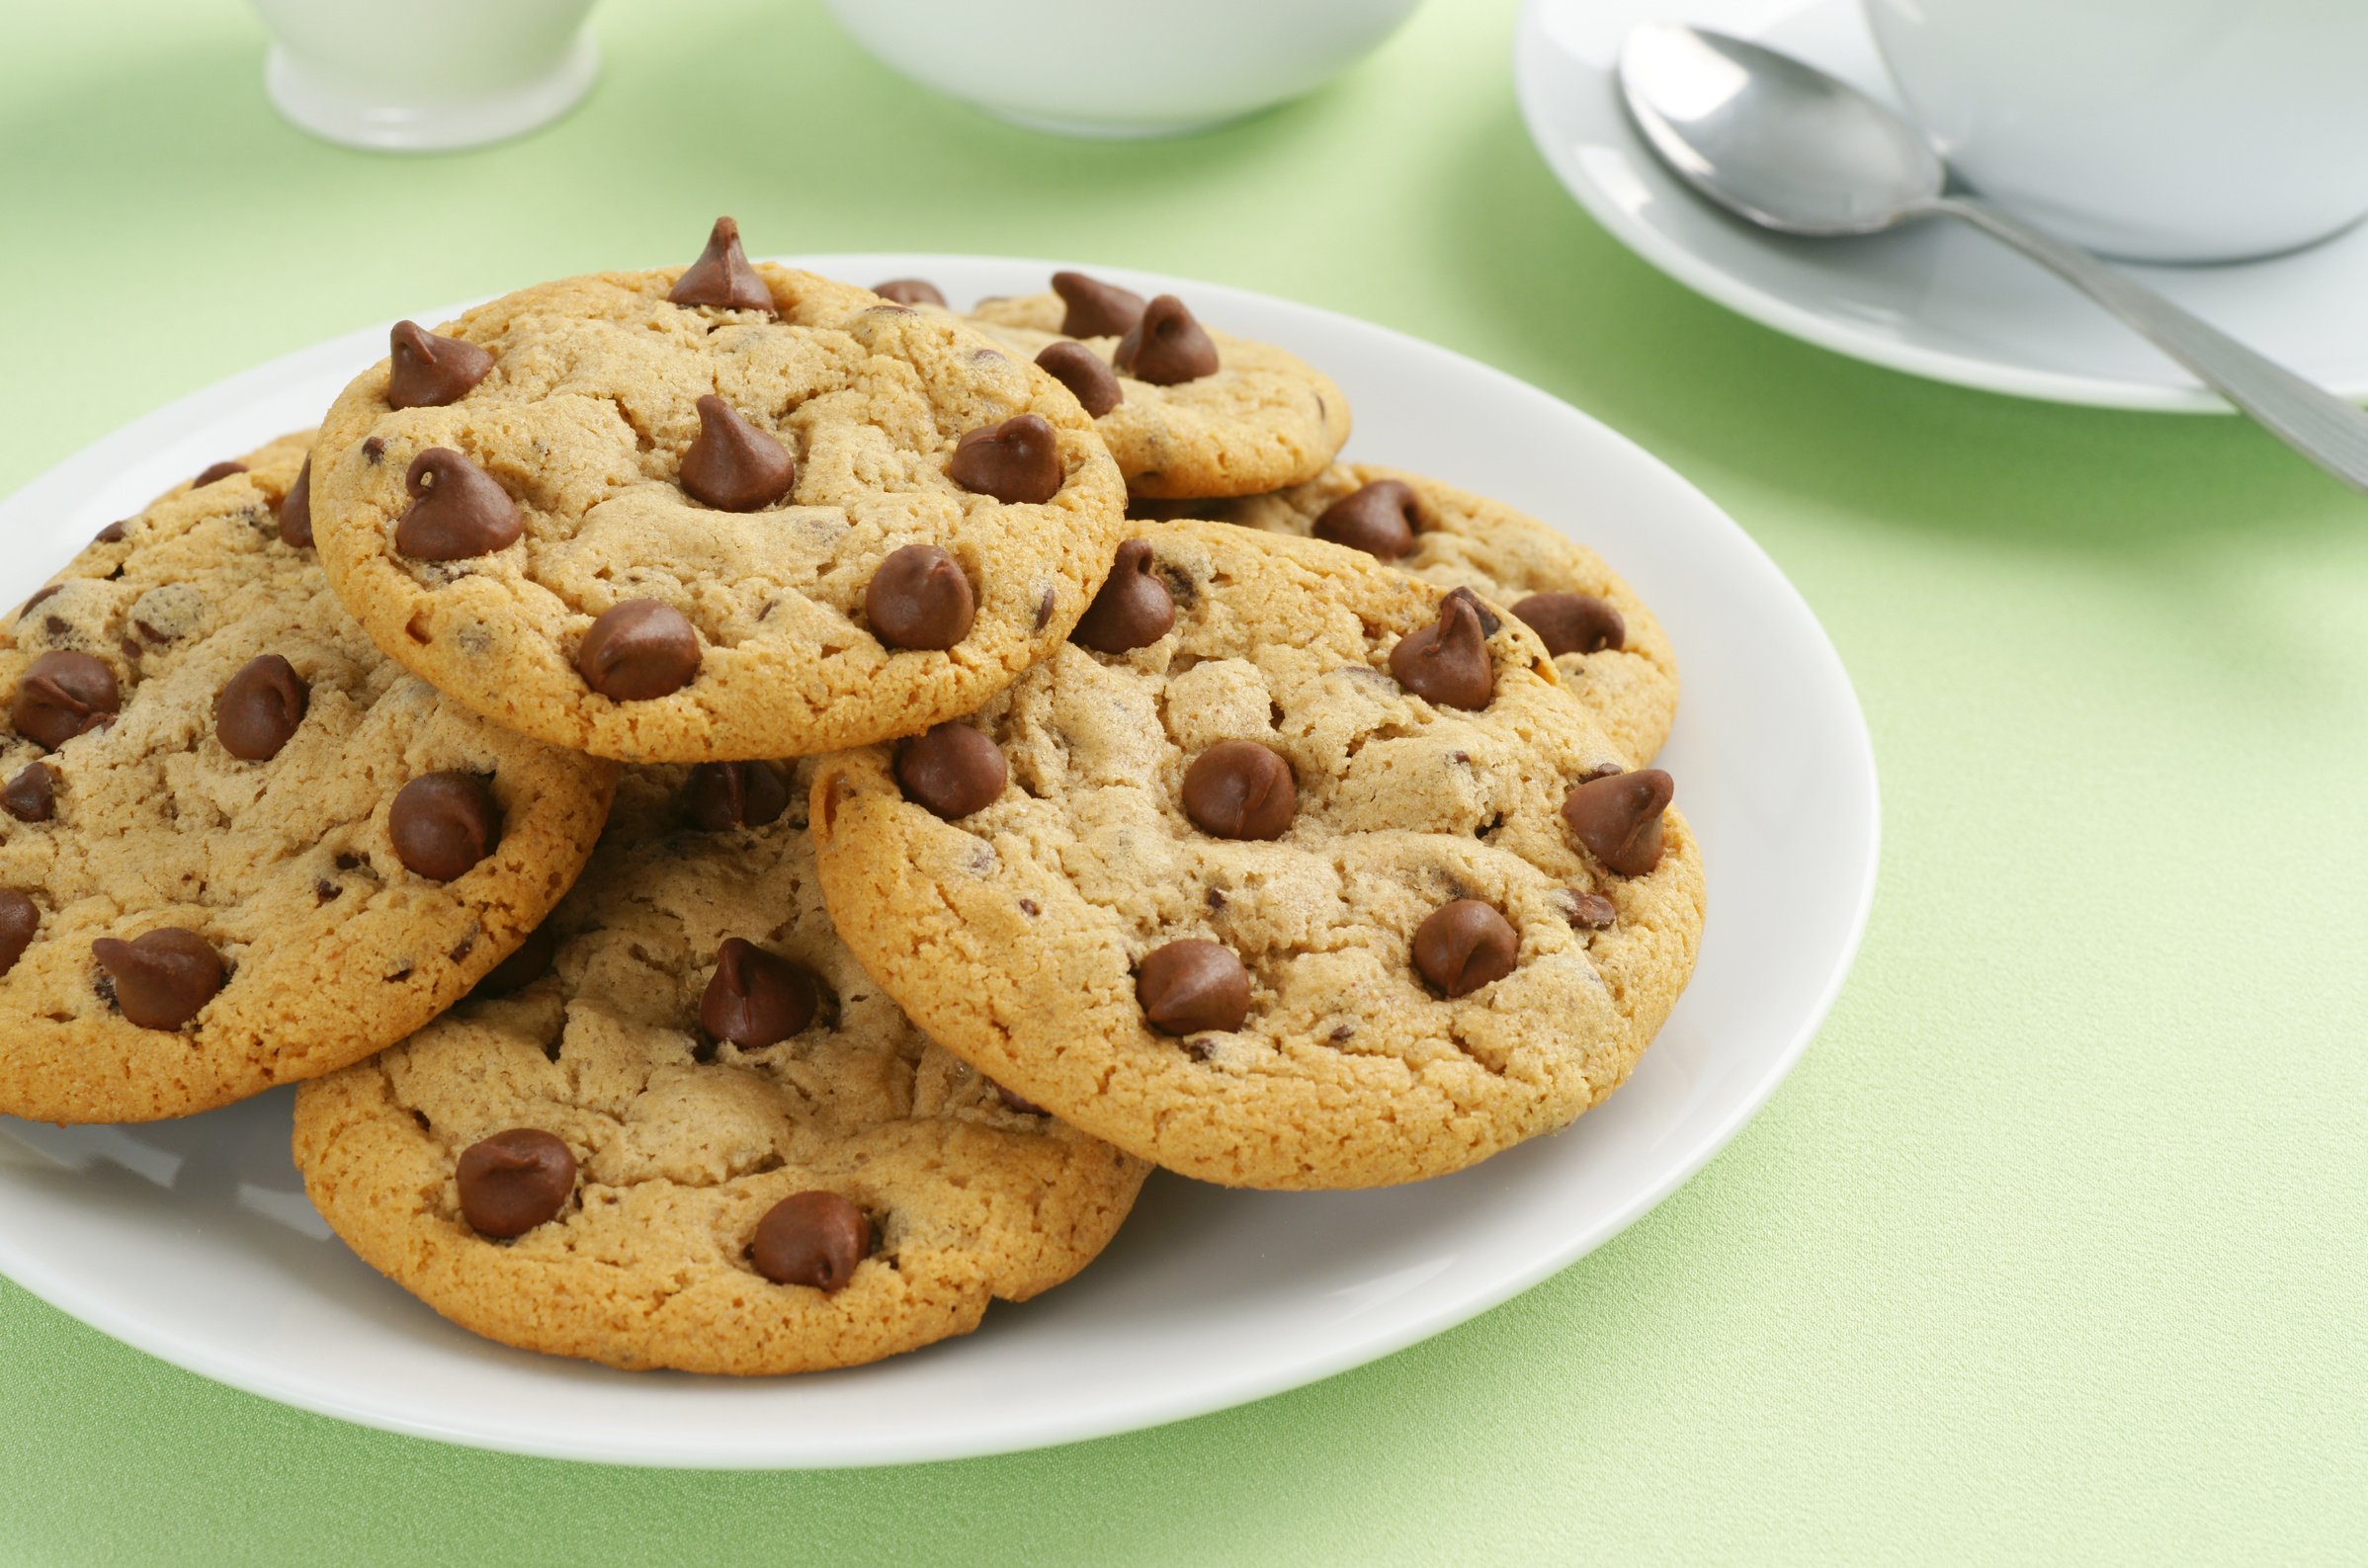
x: 2052, y: 1248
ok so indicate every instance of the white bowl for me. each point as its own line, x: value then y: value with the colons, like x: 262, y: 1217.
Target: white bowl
x: 1121, y: 67
x: 426, y: 75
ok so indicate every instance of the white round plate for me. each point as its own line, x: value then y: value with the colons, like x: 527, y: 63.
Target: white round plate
x: 1934, y: 299
x: 1209, y: 1298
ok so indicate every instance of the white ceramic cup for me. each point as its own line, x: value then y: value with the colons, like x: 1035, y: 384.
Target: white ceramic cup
x: 426, y: 75
x: 1121, y: 67
x: 2162, y: 129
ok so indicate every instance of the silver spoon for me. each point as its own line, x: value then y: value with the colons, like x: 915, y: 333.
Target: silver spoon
x: 1794, y: 149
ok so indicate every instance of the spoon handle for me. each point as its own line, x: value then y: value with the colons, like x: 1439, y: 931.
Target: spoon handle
x: 2324, y: 428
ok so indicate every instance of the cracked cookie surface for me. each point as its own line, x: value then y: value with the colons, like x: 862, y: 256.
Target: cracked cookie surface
x: 286, y: 866
x: 586, y: 417
x: 1018, y: 934
x: 1265, y: 419
x: 683, y: 1142
x: 1467, y: 540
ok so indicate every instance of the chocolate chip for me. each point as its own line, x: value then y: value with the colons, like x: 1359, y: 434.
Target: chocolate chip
x: 1167, y: 346
x: 812, y: 1239
x: 1019, y: 1103
x: 722, y: 796
x: 1447, y: 661
x: 1378, y: 519
x: 444, y: 823
x: 429, y: 371
x: 1618, y: 817
x: 1573, y: 623
x: 757, y: 998
x: 721, y: 276
x: 910, y: 291
x: 1489, y: 621
x: 523, y: 966
x: 1192, y: 985
x: 1464, y: 946
x: 28, y: 795
x: 1134, y: 608
x: 260, y: 708
x: 63, y: 694
x: 1017, y: 461
x: 919, y: 599
x: 456, y: 511
x: 1589, y: 911
x: 20, y: 918
x: 372, y: 449
x: 161, y: 977
x: 1081, y: 370
x: 1096, y: 309
x: 216, y: 472
x: 1240, y: 790
x: 112, y: 533
x: 732, y: 465
x: 514, y: 1181
x: 27, y: 608
x: 296, y: 510
x: 638, y: 650
x: 952, y: 770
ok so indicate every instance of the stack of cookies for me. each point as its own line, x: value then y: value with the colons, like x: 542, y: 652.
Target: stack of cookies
x: 759, y: 808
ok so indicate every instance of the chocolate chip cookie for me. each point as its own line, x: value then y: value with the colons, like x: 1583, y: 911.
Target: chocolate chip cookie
x: 693, y: 1133
x: 237, y: 846
x: 710, y: 512
x: 1290, y: 870
x: 1606, y: 644
x: 1187, y: 411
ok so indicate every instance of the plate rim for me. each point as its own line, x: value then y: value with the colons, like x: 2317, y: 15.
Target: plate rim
x: 1026, y: 1432
x: 1533, y: 52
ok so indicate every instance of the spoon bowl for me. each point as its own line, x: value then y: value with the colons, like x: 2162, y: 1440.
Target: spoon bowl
x: 1774, y: 140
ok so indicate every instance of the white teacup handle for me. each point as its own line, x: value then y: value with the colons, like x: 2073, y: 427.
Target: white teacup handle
x: 2324, y: 428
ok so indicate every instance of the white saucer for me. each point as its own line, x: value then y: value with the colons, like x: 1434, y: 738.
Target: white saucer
x: 1936, y: 300
x: 192, y: 1239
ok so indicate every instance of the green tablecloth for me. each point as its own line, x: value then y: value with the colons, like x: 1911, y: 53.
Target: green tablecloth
x: 2053, y: 1247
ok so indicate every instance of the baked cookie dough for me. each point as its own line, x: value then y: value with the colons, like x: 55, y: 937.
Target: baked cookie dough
x: 1186, y: 411
x: 237, y: 846
x: 721, y: 512
x: 1609, y: 648
x: 1293, y: 872
x: 703, y: 1138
